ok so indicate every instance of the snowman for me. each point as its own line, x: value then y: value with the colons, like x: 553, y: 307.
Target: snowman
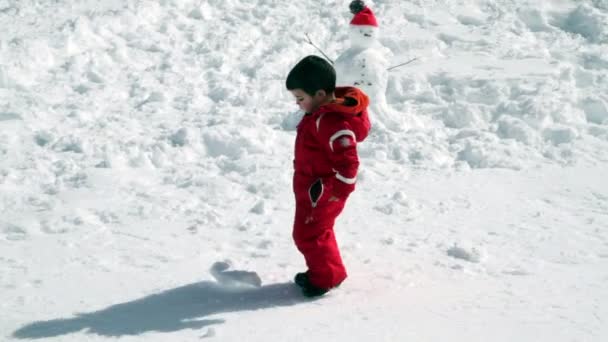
x: 364, y: 65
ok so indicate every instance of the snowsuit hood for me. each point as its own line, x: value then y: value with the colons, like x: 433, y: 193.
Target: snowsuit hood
x: 349, y: 100
x: 350, y: 103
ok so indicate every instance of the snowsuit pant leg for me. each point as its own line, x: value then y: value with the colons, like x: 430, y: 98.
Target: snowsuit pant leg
x: 313, y: 233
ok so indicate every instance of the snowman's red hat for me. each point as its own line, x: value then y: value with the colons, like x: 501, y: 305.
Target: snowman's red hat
x: 365, y: 18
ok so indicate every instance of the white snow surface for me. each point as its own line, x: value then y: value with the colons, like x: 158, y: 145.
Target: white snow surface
x: 146, y: 158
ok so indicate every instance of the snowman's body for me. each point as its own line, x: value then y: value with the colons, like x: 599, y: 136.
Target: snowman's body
x: 365, y: 69
x: 365, y: 65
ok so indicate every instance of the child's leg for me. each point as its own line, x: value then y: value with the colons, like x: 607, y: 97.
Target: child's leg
x: 314, y: 236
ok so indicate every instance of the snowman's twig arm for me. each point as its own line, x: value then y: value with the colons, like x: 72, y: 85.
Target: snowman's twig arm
x: 321, y: 51
x: 402, y: 64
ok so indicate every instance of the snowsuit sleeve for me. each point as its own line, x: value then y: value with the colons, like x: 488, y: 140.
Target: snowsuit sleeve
x: 340, y: 143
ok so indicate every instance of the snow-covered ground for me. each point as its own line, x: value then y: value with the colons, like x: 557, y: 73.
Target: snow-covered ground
x: 145, y: 143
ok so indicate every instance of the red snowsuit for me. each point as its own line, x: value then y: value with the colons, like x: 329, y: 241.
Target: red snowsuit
x: 326, y: 164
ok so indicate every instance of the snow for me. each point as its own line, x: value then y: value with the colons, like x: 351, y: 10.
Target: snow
x: 145, y: 173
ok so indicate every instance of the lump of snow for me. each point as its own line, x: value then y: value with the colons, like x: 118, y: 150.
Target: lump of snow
x: 221, y: 143
x: 234, y: 143
x: 473, y: 155
x: 200, y: 13
x: 81, y: 89
x: 457, y: 252
x: 594, y: 61
x: 488, y: 151
x: 95, y: 77
x: 514, y: 128
x: 600, y: 4
x: 588, y: 22
x: 13, y: 232
x: 470, y: 20
x: 534, y: 19
x: 291, y: 120
x: 69, y: 144
x: 179, y: 138
x: 237, y: 278
x: 560, y: 134
x: 259, y: 208
x: 6, y: 116
x: 596, y: 110
x: 461, y: 115
x: 4, y: 81
x: 42, y: 138
x: 156, y: 96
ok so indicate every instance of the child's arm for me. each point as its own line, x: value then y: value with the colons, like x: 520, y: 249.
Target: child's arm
x: 341, y: 147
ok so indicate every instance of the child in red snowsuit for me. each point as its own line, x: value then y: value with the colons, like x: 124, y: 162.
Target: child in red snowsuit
x: 325, y: 167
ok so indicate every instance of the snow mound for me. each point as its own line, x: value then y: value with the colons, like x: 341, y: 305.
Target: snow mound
x: 587, y: 21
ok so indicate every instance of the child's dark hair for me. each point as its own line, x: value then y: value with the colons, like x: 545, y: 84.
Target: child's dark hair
x: 311, y: 74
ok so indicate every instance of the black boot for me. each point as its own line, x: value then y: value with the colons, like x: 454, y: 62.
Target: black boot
x: 312, y: 291
x: 308, y: 289
x: 301, y: 279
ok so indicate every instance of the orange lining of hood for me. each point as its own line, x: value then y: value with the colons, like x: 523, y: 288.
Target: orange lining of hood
x: 349, y: 100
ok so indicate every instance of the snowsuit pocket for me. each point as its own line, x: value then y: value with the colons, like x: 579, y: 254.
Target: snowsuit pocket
x: 315, y: 192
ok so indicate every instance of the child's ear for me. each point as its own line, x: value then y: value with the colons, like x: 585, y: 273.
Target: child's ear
x: 320, y: 93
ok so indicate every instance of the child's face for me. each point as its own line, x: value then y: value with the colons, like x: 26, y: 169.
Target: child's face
x: 306, y: 102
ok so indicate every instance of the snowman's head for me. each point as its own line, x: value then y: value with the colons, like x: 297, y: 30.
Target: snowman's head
x: 363, y: 27
x: 363, y: 36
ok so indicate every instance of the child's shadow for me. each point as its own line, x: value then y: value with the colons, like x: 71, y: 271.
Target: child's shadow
x: 185, y: 307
